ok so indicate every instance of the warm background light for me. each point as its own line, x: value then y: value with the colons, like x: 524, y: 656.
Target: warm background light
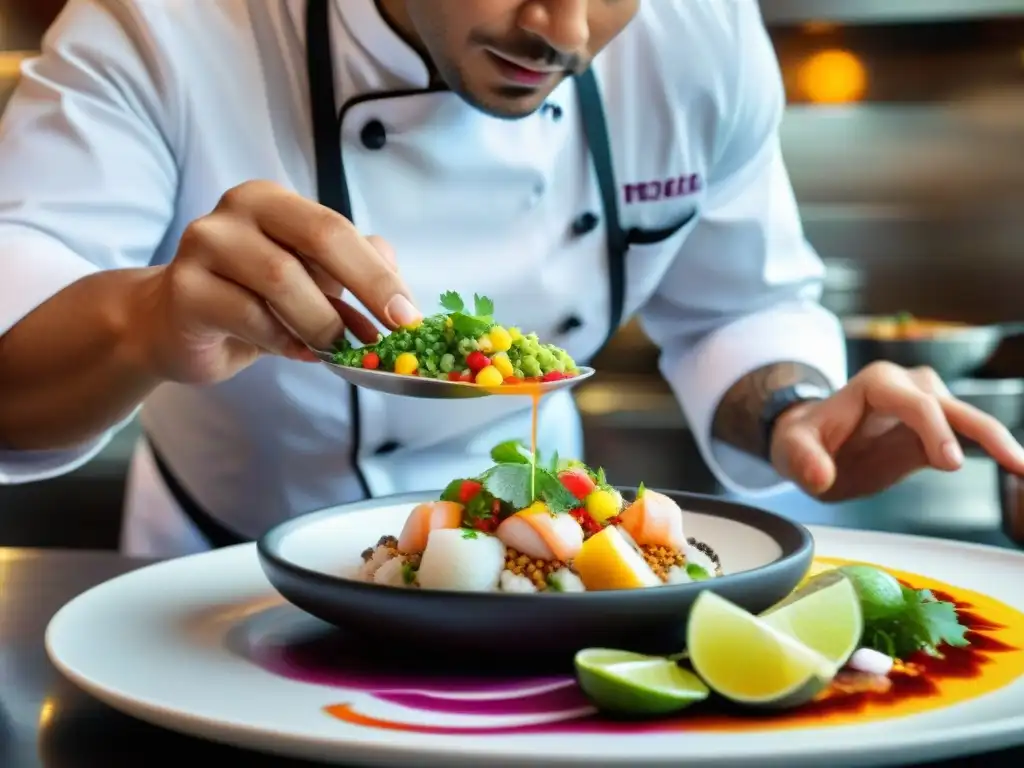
x: 833, y: 77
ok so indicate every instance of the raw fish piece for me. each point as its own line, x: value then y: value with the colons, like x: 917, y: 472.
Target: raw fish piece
x: 654, y: 520
x: 427, y: 517
x: 541, y: 535
x: 466, y: 561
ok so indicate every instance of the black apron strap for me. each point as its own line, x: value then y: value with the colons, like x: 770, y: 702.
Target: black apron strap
x: 595, y: 127
x: 216, y: 533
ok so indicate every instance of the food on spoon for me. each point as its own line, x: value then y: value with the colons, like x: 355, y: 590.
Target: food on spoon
x: 558, y: 526
x: 458, y: 346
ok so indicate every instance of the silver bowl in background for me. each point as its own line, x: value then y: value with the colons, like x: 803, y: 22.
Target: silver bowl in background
x: 953, y: 353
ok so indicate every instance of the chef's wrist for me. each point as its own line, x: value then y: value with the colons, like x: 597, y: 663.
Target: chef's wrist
x: 134, y: 321
x: 748, y: 414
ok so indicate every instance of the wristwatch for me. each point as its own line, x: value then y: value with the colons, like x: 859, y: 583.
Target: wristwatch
x: 784, y: 398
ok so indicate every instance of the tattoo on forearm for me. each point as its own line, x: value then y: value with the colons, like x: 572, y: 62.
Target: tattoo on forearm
x: 737, y: 421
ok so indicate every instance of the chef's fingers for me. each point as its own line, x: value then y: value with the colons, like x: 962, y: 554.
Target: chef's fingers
x: 232, y: 249
x: 929, y: 381
x: 799, y: 454
x: 383, y: 247
x: 890, y: 390
x: 332, y: 241
x: 987, y: 432
x: 359, y: 324
x: 238, y: 313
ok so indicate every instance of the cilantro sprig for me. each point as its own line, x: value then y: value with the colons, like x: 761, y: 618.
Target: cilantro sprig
x: 923, y: 624
x: 474, y: 324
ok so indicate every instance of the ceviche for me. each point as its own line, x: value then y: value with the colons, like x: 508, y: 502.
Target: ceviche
x: 463, y: 346
x: 526, y: 525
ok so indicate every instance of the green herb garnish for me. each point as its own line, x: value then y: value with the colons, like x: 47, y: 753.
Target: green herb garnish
x: 452, y: 491
x: 923, y: 624
x: 465, y: 324
x: 697, y: 572
x: 510, y: 452
x: 408, y: 572
x: 519, y: 485
x: 469, y: 533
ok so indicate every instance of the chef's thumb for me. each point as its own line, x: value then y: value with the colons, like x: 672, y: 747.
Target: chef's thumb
x: 800, y: 455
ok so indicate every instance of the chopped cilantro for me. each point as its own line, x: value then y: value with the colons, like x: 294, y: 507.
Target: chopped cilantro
x: 451, y: 493
x: 519, y: 485
x: 408, y: 572
x: 469, y: 533
x: 924, y: 624
x: 482, y: 306
x: 470, y: 326
x: 510, y: 452
x: 451, y: 301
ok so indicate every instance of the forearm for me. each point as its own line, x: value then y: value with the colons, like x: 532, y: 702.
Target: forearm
x: 737, y: 420
x: 72, y: 368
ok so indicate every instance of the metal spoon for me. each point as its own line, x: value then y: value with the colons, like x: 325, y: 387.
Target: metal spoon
x: 438, y: 389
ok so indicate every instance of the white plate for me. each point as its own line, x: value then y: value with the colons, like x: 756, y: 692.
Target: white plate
x: 174, y: 644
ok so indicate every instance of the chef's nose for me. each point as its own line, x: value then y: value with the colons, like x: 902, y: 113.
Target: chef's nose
x: 562, y: 24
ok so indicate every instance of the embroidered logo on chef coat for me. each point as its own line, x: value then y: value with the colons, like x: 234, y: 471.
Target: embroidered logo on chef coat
x: 663, y: 189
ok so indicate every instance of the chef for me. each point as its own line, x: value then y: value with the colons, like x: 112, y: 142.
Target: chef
x: 192, y: 193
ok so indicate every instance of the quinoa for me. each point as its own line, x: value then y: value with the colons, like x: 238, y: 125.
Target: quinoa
x: 661, y: 559
x: 536, y: 571
x: 389, y: 543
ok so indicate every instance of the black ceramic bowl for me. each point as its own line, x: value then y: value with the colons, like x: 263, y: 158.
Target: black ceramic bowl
x: 308, y: 558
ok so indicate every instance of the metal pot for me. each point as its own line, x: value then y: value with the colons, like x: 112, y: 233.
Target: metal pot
x: 953, y: 353
x: 1001, y: 398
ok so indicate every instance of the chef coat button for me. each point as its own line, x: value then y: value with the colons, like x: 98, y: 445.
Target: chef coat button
x: 584, y: 224
x: 571, y: 323
x: 389, y: 447
x: 373, y: 135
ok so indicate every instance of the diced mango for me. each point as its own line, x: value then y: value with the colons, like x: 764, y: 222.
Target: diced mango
x: 406, y: 363
x: 503, y: 364
x: 490, y: 377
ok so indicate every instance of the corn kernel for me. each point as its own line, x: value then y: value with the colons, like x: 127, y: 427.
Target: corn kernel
x: 515, y: 334
x: 501, y: 340
x: 406, y: 363
x: 484, y: 344
x: 503, y: 364
x: 489, y: 377
x: 601, y: 505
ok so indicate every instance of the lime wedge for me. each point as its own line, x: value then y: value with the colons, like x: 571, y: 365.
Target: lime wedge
x: 627, y: 683
x: 825, y: 615
x: 746, y: 660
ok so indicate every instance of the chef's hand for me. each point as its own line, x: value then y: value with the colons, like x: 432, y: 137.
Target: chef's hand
x: 886, y: 423
x: 264, y: 273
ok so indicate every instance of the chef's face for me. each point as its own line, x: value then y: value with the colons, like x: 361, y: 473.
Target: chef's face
x: 506, y: 56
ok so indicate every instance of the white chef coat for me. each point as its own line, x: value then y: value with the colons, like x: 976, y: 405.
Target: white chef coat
x: 139, y: 115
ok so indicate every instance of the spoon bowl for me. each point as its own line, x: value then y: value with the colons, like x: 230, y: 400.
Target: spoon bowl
x: 437, y: 389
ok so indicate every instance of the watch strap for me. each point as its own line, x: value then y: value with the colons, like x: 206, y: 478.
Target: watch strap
x: 784, y: 398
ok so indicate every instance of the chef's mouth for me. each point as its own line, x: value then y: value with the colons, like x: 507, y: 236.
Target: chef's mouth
x: 521, y: 72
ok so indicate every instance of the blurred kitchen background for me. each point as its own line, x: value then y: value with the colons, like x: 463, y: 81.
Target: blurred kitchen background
x: 905, y: 141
